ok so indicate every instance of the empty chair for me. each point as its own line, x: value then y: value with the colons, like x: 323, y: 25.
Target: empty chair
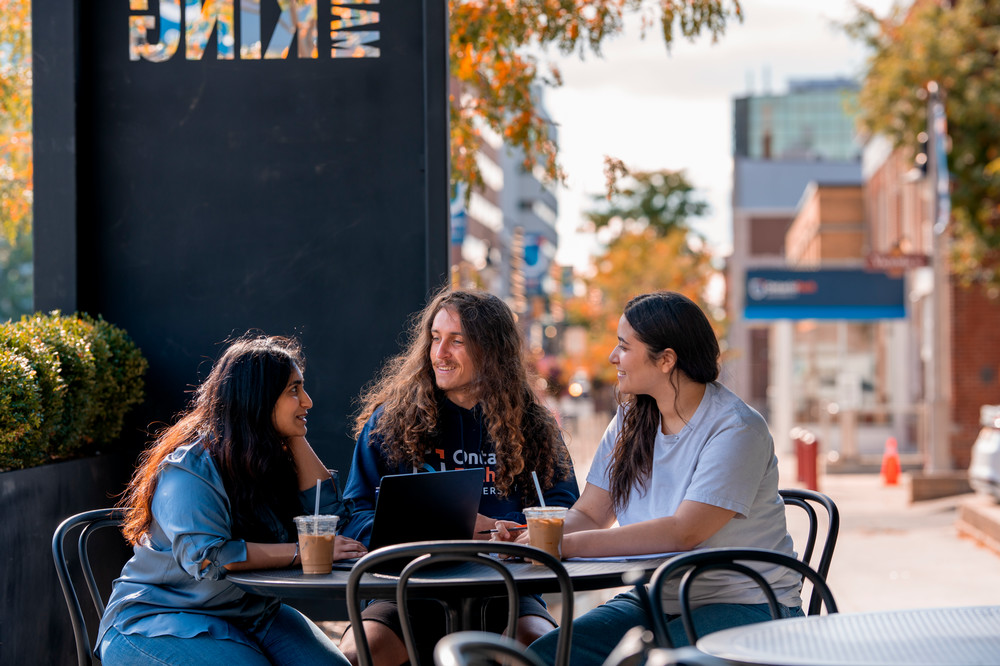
x: 423, y: 554
x: 88, y: 523
x: 480, y: 648
x: 808, y: 500
x: 693, y: 564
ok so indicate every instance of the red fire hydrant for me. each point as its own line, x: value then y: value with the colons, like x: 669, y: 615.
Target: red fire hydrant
x: 806, y: 448
x: 796, y: 435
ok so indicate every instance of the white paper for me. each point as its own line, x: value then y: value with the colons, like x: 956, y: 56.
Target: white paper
x: 622, y: 558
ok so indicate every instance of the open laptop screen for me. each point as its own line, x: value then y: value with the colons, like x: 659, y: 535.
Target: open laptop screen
x: 428, y: 506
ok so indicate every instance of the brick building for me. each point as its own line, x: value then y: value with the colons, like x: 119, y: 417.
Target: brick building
x: 898, y: 206
x: 781, y: 143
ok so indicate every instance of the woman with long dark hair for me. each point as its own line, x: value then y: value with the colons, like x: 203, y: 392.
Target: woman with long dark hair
x: 684, y: 464
x: 216, y: 492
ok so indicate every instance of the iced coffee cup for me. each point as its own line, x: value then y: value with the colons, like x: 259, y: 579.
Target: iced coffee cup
x: 545, y: 528
x: 316, y: 535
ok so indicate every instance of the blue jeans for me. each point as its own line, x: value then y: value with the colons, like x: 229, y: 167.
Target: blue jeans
x: 597, y: 632
x: 291, y: 639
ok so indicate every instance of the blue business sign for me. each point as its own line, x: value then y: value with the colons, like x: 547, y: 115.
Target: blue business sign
x: 854, y: 294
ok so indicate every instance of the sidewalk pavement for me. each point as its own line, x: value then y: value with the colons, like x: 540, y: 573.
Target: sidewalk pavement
x: 896, y: 554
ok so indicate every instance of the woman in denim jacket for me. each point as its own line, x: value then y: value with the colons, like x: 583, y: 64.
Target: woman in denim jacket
x: 218, y: 492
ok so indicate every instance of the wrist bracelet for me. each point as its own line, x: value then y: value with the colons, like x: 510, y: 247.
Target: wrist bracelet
x: 295, y: 555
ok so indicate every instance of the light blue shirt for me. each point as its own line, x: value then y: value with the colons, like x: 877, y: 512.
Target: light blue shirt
x: 163, y: 589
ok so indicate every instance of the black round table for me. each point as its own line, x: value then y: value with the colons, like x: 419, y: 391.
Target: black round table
x: 458, y: 581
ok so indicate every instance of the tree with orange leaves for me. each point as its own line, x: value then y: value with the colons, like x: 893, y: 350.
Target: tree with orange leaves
x: 651, y: 247
x: 495, y: 46
x: 15, y: 119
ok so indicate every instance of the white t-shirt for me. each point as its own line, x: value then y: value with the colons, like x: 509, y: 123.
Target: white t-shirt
x: 724, y: 456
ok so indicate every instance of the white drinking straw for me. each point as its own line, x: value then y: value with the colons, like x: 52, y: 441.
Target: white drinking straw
x: 318, y: 481
x: 538, y: 488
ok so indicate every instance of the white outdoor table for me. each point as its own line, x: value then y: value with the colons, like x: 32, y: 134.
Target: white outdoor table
x: 961, y: 636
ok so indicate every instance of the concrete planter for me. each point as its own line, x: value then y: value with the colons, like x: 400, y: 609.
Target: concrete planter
x: 34, y: 623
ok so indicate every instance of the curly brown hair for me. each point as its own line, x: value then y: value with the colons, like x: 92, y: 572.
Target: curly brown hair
x: 524, y: 432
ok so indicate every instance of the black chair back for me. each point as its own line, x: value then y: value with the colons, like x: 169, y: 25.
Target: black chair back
x: 88, y: 523
x: 693, y: 564
x: 808, y: 500
x: 423, y: 554
x: 477, y: 648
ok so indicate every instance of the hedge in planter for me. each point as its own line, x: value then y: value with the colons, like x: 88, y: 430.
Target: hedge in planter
x: 65, y: 381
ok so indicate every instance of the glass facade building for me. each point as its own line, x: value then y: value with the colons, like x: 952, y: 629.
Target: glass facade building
x: 813, y: 120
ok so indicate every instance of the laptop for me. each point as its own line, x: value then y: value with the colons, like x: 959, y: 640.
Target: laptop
x: 427, y: 506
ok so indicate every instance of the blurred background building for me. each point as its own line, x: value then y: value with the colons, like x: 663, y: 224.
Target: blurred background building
x: 782, y: 143
x: 809, y: 193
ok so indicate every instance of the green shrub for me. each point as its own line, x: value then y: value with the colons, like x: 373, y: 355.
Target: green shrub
x: 45, y: 363
x: 68, y: 381
x: 77, y: 369
x: 21, y: 437
x: 119, y: 377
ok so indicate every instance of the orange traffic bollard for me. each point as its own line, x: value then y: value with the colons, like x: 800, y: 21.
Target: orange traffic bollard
x: 890, y: 463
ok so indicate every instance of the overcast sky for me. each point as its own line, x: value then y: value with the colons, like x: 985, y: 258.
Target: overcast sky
x: 655, y: 110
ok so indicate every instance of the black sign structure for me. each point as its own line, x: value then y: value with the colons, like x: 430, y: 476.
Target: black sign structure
x: 845, y: 294
x: 205, y: 167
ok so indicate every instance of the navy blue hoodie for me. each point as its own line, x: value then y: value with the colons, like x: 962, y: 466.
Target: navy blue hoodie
x: 462, y: 441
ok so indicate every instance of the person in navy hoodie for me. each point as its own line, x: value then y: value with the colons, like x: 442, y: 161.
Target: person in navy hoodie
x: 459, y: 396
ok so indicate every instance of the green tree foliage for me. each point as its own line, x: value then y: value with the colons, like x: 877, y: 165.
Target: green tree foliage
x: 652, y: 248
x: 659, y: 200
x: 15, y: 119
x: 956, y: 47
x: 496, y: 58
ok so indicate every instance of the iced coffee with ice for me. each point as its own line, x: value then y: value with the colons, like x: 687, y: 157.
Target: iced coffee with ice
x: 545, y: 528
x: 316, y: 535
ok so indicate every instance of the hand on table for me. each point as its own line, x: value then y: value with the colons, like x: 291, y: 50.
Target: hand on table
x: 345, y: 548
x: 505, y: 532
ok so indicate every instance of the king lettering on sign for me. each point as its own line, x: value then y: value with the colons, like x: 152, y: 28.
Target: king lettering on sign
x: 156, y: 37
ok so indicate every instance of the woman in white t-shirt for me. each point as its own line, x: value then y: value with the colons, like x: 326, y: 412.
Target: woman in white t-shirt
x: 683, y: 465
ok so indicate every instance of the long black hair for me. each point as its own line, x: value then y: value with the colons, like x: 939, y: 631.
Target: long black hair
x: 661, y: 320
x: 231, y: 413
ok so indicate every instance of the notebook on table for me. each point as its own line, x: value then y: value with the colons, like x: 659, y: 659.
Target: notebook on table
x: 429, y: 506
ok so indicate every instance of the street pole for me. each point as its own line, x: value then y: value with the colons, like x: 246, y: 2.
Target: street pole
x: 938, y: 368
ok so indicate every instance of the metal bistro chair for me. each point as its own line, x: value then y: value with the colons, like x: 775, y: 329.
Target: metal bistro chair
x: 807, y: 501
x: 423, y: 554
x: 638, y: 648
x: 476, y: 648
x: 693, y: 564
x: 89, y: 522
